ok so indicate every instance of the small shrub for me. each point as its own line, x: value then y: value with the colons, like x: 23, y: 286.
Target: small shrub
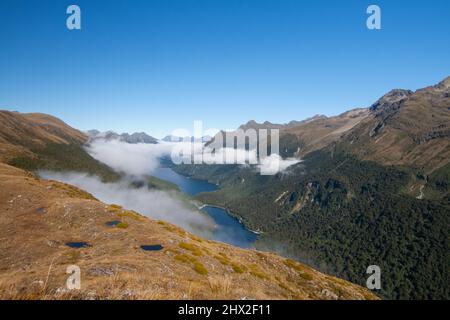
x: 171, y: 228
x: 306, y: 276
x: 72, y: 191
x: 185, y: 258
x: 122, y: 225
x: 195, y: 238
x: 223, y: 260
x: 130, y: 214
x: 200, y: 268
x: 238, y: 268
x: 301, y: 269
x: 192, y: 248
x: 294, y: 265
x: 114, y: 208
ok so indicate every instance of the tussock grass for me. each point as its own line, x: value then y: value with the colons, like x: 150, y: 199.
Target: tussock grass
x: 200, y: 268
x: 72, y: 191
x: 198, y: 239
x: 196, y: 251
x: 257, y: 272
x: 122, y: 225
x: 220, y: 285
x: 73, y: 256
x: 238, y: 268
x: 185, y: 258
x: 299, y: 268
x: 171, y: 227
x: 114, y: 208
x: 130, y: 214
x: 223, y: 259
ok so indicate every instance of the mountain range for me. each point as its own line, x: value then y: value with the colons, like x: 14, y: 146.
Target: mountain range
x: 47, y: 226
x: 372, y: 188
x: 172, y: 138
x: 401, y: 128
x: 137, y: 137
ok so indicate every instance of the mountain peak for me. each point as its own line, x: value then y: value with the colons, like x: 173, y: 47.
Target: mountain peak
x: 444, y: 84
x: 391, y: 101
x: 137, y: 137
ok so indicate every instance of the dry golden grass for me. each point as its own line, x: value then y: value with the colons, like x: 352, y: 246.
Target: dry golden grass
x: 130, y: 214
x: 220, y: 285
x: 192, y: 248
x: 72, y: 191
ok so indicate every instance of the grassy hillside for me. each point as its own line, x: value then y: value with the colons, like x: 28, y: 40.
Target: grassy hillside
x: 33, y: 141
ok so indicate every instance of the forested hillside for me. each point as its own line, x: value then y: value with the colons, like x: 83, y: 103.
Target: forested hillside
x: 373, y: 188
x: 342, y: 215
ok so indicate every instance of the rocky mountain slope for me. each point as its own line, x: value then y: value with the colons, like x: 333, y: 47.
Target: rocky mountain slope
x: 136, y: 137
x: 172, y: 138
x: 406, y: 128
x: 401, y: 128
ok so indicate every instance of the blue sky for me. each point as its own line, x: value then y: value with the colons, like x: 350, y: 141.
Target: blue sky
x: 158, y: 65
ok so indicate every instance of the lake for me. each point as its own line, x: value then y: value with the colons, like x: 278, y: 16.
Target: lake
x: 187, y: 185
x: 228, y: 228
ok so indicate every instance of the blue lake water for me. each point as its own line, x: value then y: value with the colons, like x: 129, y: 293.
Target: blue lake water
x: 187, y: 185
x: 228, y: 228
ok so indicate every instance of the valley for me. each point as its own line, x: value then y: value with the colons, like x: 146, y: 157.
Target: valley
x: 227, y: 228
x: 47, y: 226
x: 369, y: 187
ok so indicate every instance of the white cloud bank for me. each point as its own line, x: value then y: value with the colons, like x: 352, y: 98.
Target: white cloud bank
x: 155, y: 204
x: 142, y: 159
x: 274, y: 163
x: 139, y: 160
x: 132, y: 159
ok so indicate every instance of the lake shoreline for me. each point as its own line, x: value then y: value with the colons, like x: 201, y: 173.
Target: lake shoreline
x: 230, y: 225
x: 231, y: 214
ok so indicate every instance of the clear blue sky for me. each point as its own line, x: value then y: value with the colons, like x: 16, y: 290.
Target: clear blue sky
x: 158, y: 65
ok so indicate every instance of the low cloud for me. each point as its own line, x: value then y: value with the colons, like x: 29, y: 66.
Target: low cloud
x: 132, y: 159
x: 269, y: 165
x: 161, y: 205
x: 143, y: 159
x: 139, y: 160
x: 274, y: 163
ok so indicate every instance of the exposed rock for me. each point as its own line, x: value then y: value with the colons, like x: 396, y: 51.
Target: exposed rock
x: 390, y: 102
x: 134, y: 138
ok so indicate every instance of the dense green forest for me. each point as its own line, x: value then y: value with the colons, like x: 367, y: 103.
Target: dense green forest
x: 341, y: 215
x: 65, y: 157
